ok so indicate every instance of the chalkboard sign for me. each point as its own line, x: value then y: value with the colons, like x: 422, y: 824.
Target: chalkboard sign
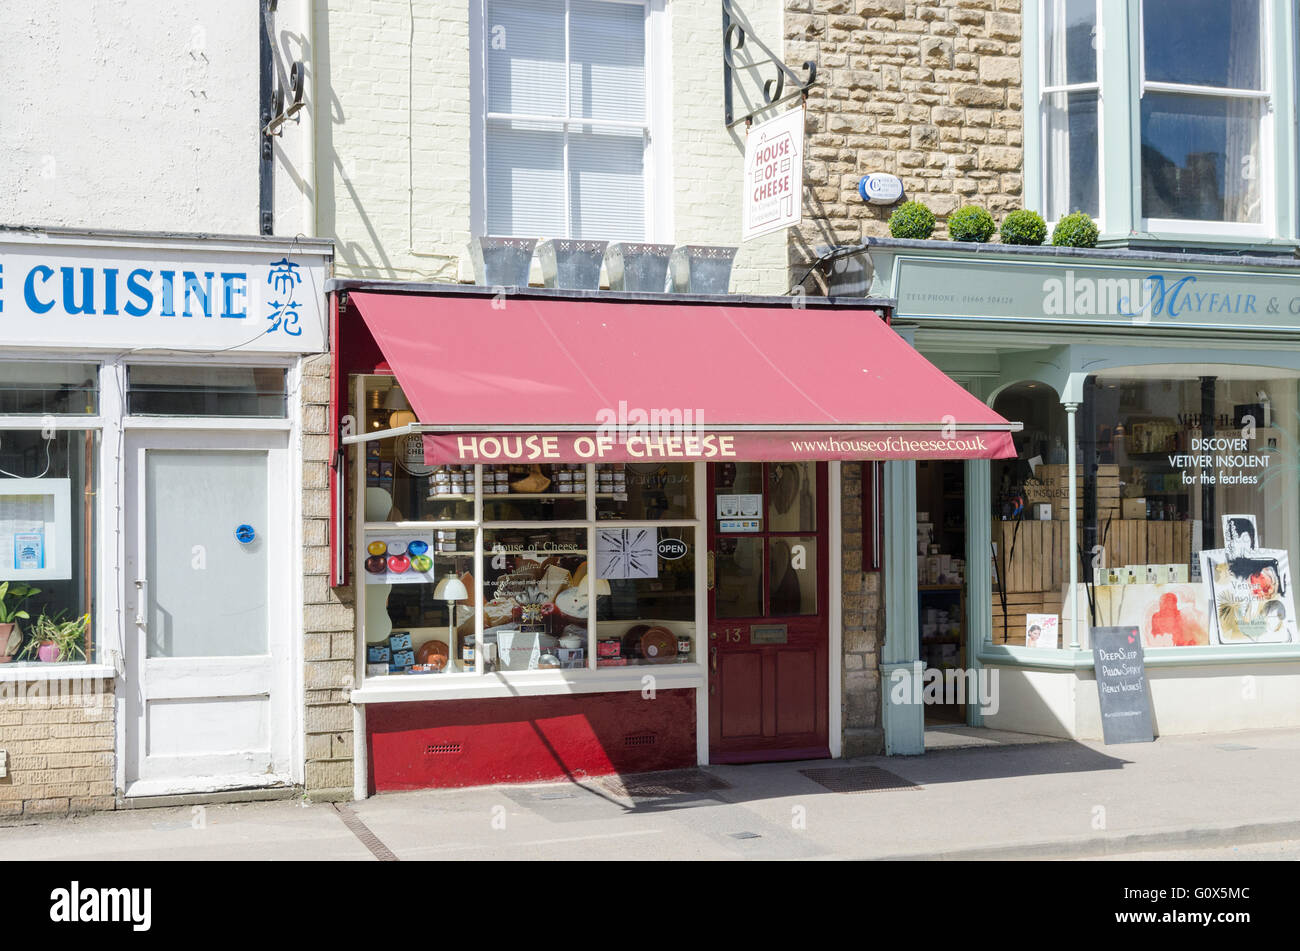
x: 1122, y: 685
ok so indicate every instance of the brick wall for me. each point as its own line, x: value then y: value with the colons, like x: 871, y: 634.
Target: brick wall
x: 863, y: 624
x: 928, y: 90
x: 60, y: 745
x: 329, y: 620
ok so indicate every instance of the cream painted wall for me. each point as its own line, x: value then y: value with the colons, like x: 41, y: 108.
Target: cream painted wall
x: 394, y: 139
x: 127, y: 114
x: 1184, y: 700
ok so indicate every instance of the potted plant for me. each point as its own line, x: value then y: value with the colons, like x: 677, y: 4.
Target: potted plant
x: 12, y: 598
x: 54, y: 639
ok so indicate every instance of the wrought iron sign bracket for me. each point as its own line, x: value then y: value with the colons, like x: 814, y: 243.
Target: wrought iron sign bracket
x: 734, y: 38
x: 291, y: 86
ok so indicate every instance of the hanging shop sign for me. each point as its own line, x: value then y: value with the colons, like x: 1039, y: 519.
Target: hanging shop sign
x: 774, y: 175
x: 267, y: 298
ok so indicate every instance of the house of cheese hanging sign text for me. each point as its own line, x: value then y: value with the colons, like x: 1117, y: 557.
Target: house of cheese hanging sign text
x: 774, y: 175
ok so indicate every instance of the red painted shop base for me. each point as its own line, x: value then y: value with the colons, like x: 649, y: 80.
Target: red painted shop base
x: 449, y: 743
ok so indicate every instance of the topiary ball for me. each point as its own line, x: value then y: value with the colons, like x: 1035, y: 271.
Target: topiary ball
x: 911, y: 219
x: 971, y: 223
x: 1024, y: 227
x: 1077, y: 230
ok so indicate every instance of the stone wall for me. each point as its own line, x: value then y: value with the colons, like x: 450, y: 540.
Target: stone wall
x: 928, y: 90
x: 58, y: 735
x: 329, y: 620
x: 863, y: 624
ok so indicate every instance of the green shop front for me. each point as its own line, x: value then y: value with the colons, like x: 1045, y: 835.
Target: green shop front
x: 1154, y: 486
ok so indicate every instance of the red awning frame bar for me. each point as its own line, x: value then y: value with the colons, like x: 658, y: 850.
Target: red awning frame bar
x: 414, y: 428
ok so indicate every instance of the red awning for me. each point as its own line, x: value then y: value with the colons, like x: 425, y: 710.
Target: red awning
x: 542, y: 380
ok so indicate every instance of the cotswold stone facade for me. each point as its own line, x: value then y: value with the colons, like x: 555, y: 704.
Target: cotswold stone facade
x: 863, y: 623
x: 929, y: 91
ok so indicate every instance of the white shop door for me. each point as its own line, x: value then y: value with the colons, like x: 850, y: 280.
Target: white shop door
x: 207, y: 612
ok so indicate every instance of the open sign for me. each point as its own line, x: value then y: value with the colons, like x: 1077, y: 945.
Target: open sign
x: 670, y: 549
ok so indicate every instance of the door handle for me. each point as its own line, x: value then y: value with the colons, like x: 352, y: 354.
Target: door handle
x: 713, y: 658
x: 708, y: 574
x: 140, y: 621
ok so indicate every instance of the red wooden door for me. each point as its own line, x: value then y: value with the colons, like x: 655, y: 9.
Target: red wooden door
x: 768, y: 612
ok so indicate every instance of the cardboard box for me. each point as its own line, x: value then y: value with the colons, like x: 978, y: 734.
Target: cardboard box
x: 1134, y: 508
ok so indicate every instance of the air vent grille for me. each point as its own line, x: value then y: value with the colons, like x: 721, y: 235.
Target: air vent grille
x: 640, y: 739
x: 435, y: 749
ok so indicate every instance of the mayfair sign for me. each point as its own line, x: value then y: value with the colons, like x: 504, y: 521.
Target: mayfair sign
x: 265, y: 297
x: 1082, y: 292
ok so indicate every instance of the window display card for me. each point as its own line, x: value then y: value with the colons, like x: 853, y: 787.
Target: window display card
x: 1042, y: 630
x: 626, y: 553
x: 35, y: 529
x: 399, y: 559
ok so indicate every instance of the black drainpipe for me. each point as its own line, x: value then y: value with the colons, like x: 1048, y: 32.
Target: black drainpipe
x: 266, y: 164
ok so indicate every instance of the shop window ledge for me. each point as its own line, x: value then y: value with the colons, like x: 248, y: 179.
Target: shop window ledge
x: 410, y: 689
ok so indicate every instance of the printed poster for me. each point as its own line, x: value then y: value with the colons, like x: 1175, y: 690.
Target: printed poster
x: 1251, y: 595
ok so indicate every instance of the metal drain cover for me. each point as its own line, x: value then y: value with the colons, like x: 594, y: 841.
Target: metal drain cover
x: 858, y: 779
x: 661, y: 785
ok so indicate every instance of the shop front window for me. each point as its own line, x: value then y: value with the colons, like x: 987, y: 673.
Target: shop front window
x: 1197, y: 550
x: 48, y: 538
x: 1188, y: 509
x: 512, y: 568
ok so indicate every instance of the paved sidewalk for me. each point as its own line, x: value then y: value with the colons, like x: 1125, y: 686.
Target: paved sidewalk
x: 1031, y: 800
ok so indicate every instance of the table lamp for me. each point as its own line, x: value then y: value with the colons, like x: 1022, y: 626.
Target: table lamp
x: 450, y: 589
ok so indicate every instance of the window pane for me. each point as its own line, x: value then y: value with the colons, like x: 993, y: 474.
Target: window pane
x: 525, y: 55
x: 34, y: 389
x: 651, y: 618
x: 1071, y: 48
x: 793, y: 575
x: 1031, y: 522
x: 606, y: 184
x: 193, y: 497
x: 1203, y: 42
x: 738, y: 578
x: 535, y: 493
x: 792, y: 497
x: 645, y: 491
x: 1200, y: 158
x: 206, y: 391
x: 1071, y: 153
x: 607, y: 60
x: 48, y: 545
x: 535, y: 593
x: 525, y: 179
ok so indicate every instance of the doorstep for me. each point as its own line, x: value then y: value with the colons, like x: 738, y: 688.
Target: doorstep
x: 944, y: 736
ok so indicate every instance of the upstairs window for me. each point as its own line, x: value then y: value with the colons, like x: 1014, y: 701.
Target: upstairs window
x: 1204, y: 104
x: 566, y: 126
x: 1070, y: 101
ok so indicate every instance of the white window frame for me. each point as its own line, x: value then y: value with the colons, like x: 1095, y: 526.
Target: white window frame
x: 1045, y: 92
x: 657, y: 152
x: 1266, y: 171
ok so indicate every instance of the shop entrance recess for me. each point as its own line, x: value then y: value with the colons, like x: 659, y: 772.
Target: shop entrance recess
x: 209, y: 559
x: 768, y: 612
